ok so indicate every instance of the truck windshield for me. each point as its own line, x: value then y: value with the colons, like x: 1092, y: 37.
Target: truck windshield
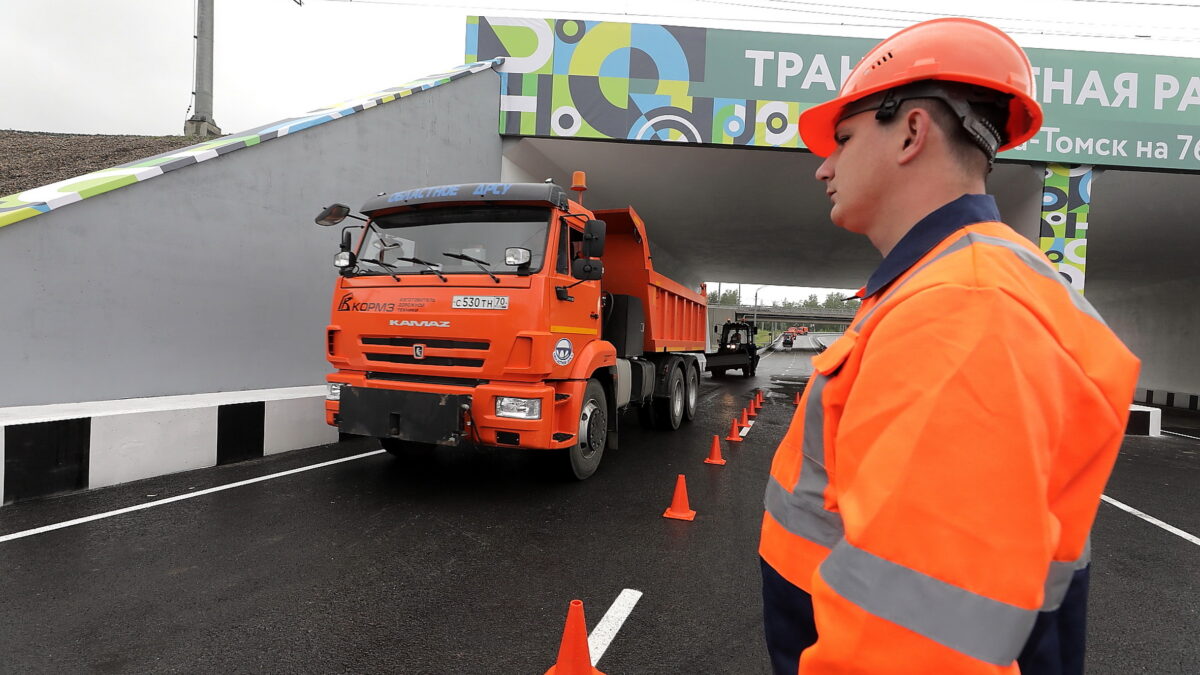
x: 479, y: 232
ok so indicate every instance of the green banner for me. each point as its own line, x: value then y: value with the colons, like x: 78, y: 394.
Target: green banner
x: 645, y: 82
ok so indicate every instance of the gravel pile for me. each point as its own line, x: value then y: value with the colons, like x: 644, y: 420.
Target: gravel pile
x: 30, y: 159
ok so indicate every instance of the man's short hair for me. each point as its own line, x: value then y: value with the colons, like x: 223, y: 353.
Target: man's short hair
x: 966, y: 150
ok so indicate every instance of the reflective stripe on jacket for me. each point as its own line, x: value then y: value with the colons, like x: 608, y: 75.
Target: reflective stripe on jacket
x: 943, y: 469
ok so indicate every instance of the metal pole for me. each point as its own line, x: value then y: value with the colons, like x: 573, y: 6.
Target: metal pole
x: 201, y: 122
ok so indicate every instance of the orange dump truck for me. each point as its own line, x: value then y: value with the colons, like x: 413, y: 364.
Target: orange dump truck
x: 506, y: 315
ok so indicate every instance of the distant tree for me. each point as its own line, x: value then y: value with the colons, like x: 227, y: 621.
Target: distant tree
x: 838, y: 301
x: 811, y: 301
x: 727, y: 297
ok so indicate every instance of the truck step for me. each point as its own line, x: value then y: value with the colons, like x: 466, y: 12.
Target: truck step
x: 560, y: 436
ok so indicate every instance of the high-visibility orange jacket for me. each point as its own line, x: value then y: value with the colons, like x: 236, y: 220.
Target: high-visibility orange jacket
x: 942, y: 472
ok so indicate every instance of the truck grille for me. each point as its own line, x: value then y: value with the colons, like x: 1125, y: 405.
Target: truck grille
x: 427, y: 361
x: 425, y: 379
x: 431, y: 343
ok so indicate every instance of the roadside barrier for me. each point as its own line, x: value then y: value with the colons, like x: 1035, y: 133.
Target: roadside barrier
x: 65, y: 447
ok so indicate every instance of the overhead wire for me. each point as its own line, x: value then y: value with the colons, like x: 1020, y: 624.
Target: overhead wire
x: 904, y: 22
x: 894, y: 22
x: 980, y: 16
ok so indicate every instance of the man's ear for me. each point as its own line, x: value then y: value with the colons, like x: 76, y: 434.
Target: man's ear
x: 917, y: 124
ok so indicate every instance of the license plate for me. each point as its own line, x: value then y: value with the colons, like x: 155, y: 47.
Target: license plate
x: 480, y: 302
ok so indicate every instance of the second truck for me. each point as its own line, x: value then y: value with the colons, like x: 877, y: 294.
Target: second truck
x: 507, y: 315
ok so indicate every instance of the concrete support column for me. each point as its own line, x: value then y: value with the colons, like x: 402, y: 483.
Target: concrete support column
x: 1066, y: 201
x: 201, y: 122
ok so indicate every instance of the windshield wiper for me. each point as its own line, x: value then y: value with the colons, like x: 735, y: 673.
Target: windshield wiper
x: 483, y: 265
x: 432, y: 268
x: 395, y: 275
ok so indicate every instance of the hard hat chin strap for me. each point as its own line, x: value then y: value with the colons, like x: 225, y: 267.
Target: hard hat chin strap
x: 959, y: 98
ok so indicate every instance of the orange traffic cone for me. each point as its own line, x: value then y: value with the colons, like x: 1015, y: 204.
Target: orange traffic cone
x: 679, y: 503
x: 751, y: 410
x: 734, y: 436
x: 714, y: 454
x: 573, y: 655
x: 759, y: 395
x: 797, y: 401
x: 745, y: 421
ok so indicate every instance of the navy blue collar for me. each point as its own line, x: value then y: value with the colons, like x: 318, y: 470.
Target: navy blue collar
x: 929, y: 232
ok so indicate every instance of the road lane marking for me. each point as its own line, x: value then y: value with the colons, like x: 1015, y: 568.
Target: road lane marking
x: 1174, y: 433
x: 604, y: 632
x: 1152, y: 520
x: 177, y: 498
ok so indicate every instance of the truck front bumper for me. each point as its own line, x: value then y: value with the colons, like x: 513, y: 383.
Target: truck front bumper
x: 415, y: 416
x: 459, y: 416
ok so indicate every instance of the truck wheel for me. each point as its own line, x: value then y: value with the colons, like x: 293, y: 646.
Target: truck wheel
x: 584, y: 456
x: 693, y: 393
x: 668, y: 411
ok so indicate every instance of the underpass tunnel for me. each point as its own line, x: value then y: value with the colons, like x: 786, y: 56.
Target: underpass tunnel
x: 748, y: 215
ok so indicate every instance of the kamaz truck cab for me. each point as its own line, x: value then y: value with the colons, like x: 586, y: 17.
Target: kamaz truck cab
x: 476, y: 314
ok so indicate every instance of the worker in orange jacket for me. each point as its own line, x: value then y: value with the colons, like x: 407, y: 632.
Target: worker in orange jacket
x: 928, y: 510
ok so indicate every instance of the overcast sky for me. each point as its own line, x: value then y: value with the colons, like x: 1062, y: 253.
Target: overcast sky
x: 125, y: 66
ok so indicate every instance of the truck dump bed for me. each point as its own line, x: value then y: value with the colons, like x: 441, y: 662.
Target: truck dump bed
x: 676, y: 316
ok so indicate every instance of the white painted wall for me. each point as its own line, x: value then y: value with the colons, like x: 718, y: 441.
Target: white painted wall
x: 213, y: 277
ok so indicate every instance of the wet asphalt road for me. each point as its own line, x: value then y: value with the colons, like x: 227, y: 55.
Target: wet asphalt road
x: 466, y: 563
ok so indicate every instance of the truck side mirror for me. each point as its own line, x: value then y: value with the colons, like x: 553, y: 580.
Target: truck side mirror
x: 593, y: 238
x: 332, y: 215
x: 587, y: 269
x: 347, y: 240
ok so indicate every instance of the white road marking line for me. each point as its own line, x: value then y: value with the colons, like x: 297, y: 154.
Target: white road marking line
x: 177, y: 498
x: 1152, y: 520
x: 745, y: 430
x: 1194, y: 438
x: 604, y: 632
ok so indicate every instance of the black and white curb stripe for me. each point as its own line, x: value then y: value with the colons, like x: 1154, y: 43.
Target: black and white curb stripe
x: 59, y: 448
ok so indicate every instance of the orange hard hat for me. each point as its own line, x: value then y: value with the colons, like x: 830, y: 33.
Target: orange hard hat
x: 953, y: 50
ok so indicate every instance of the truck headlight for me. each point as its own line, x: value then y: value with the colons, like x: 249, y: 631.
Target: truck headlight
x: 520, y: 408
x: 335, y: 392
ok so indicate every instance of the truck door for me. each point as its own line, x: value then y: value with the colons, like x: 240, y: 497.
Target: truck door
x: 576, y: 320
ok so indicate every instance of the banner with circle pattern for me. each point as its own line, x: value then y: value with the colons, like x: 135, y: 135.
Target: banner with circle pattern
x: 1066, y: 201
x: 647, y: 82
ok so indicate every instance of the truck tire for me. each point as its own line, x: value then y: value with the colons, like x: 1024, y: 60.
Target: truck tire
x: 584, y: 457
x: 692, y: 395
x: 668, y: 412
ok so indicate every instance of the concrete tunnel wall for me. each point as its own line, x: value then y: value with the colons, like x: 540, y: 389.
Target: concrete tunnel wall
x: 214, y: 277
x: 1143, y: 278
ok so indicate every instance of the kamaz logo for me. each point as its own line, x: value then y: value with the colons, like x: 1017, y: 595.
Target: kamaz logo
x: 421, y: 324
x: 418, y: 351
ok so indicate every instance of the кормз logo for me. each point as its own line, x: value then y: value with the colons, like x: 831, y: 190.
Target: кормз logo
x: 344, y: 303
x: 563, y: 352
